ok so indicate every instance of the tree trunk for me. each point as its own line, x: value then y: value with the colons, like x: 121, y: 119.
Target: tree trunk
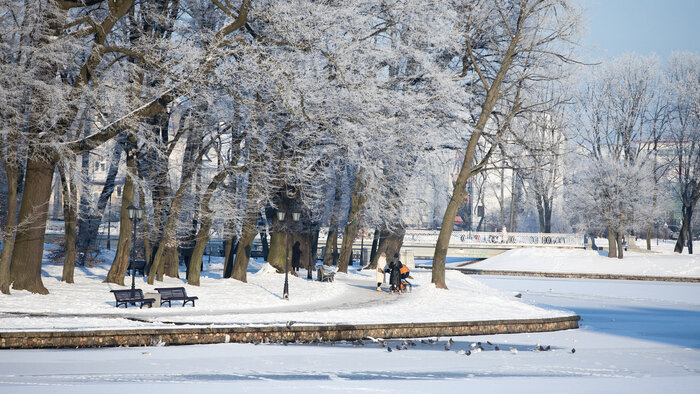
x: 357, y: 203
x: 278, y: 250
x: 373, y: 252
x: 612, y: 243
x: 12, y: 173
x: 264, y: 243
x: 380, y: 239
x: 685, y: 234
x: 25, y: 268
x: 245, y: 245
x: 145, y: 233
x: 393, y: 243
x: 331, y: 247
x: 620, y: 248
x: 195, y: 261
x: 90, y: 223
x: 172, y: 263
x: 514, y: 200
x: 70, y: 225
x: 120, y: 264
x: 229, y: 256
x: 493, y: 93
x: 169, y: 240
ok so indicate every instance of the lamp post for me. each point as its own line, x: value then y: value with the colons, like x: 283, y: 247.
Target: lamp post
x: 109, y: 222
x: 309, y: 270
x: 280, y: 217
x: 134, y: 214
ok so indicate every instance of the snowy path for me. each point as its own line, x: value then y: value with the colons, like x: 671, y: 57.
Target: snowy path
x: 635, y: 337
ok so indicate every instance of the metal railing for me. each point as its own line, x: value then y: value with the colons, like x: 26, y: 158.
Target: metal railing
x: 479, y: 237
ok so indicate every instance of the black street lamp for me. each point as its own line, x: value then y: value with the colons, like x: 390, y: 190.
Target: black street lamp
x: 134, y: 214
x: 280, y: 217
x: 309, y: 270
x: 109, y: 222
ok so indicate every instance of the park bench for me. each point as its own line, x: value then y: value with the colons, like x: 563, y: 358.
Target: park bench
x: 324, y: 275
x: 129, y: 296
x: 139, y: 266
x: 168, y: 294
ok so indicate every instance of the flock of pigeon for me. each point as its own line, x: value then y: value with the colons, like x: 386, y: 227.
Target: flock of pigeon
x: 474, y: 347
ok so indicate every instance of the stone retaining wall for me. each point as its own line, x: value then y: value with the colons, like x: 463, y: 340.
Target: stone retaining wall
x: 188, y: 336
x: 573, y: 275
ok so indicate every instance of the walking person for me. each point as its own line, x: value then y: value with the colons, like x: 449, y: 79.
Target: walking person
x: 381, y: 267
x: 395, y: 274
x: 296, y: 256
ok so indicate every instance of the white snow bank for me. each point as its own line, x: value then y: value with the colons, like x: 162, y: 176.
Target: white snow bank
x: 351, y: 299
x: 589, y: 261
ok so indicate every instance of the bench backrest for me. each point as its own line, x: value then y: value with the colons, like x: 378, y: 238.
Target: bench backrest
x: 122, y: 295
x: 172, y: 292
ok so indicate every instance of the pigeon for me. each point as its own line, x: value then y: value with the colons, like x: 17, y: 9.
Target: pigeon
x: 573, y: 350
x: 289, y: 324
x: 389, y: 350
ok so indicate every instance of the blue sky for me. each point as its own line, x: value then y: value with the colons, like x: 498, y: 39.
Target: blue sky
x: 641, y: 26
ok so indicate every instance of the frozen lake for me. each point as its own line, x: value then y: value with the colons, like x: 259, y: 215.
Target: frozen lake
x: 634, y: 337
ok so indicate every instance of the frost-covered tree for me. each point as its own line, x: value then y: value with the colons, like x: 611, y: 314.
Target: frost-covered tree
x: 613, y: 131
x: 684, y: 104
x: 506, y: 48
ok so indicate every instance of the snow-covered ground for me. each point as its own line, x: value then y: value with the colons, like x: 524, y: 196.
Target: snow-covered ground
x: 352, y: 298
x: 662, y: 263
x: 635, y: 337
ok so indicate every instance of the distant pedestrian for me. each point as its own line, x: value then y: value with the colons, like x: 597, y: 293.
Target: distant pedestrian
x: 296, y: 256
x: 395, y: 274
x: 381, y: 266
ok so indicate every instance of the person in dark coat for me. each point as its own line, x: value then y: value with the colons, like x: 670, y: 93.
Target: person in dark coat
x: 395, y: 274
x: 296, y: 256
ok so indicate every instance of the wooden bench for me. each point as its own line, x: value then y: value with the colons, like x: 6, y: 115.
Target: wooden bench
x: 128, y: 296
x: 139, y: 266
x: 324, y: 275
x: 168, y: 294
